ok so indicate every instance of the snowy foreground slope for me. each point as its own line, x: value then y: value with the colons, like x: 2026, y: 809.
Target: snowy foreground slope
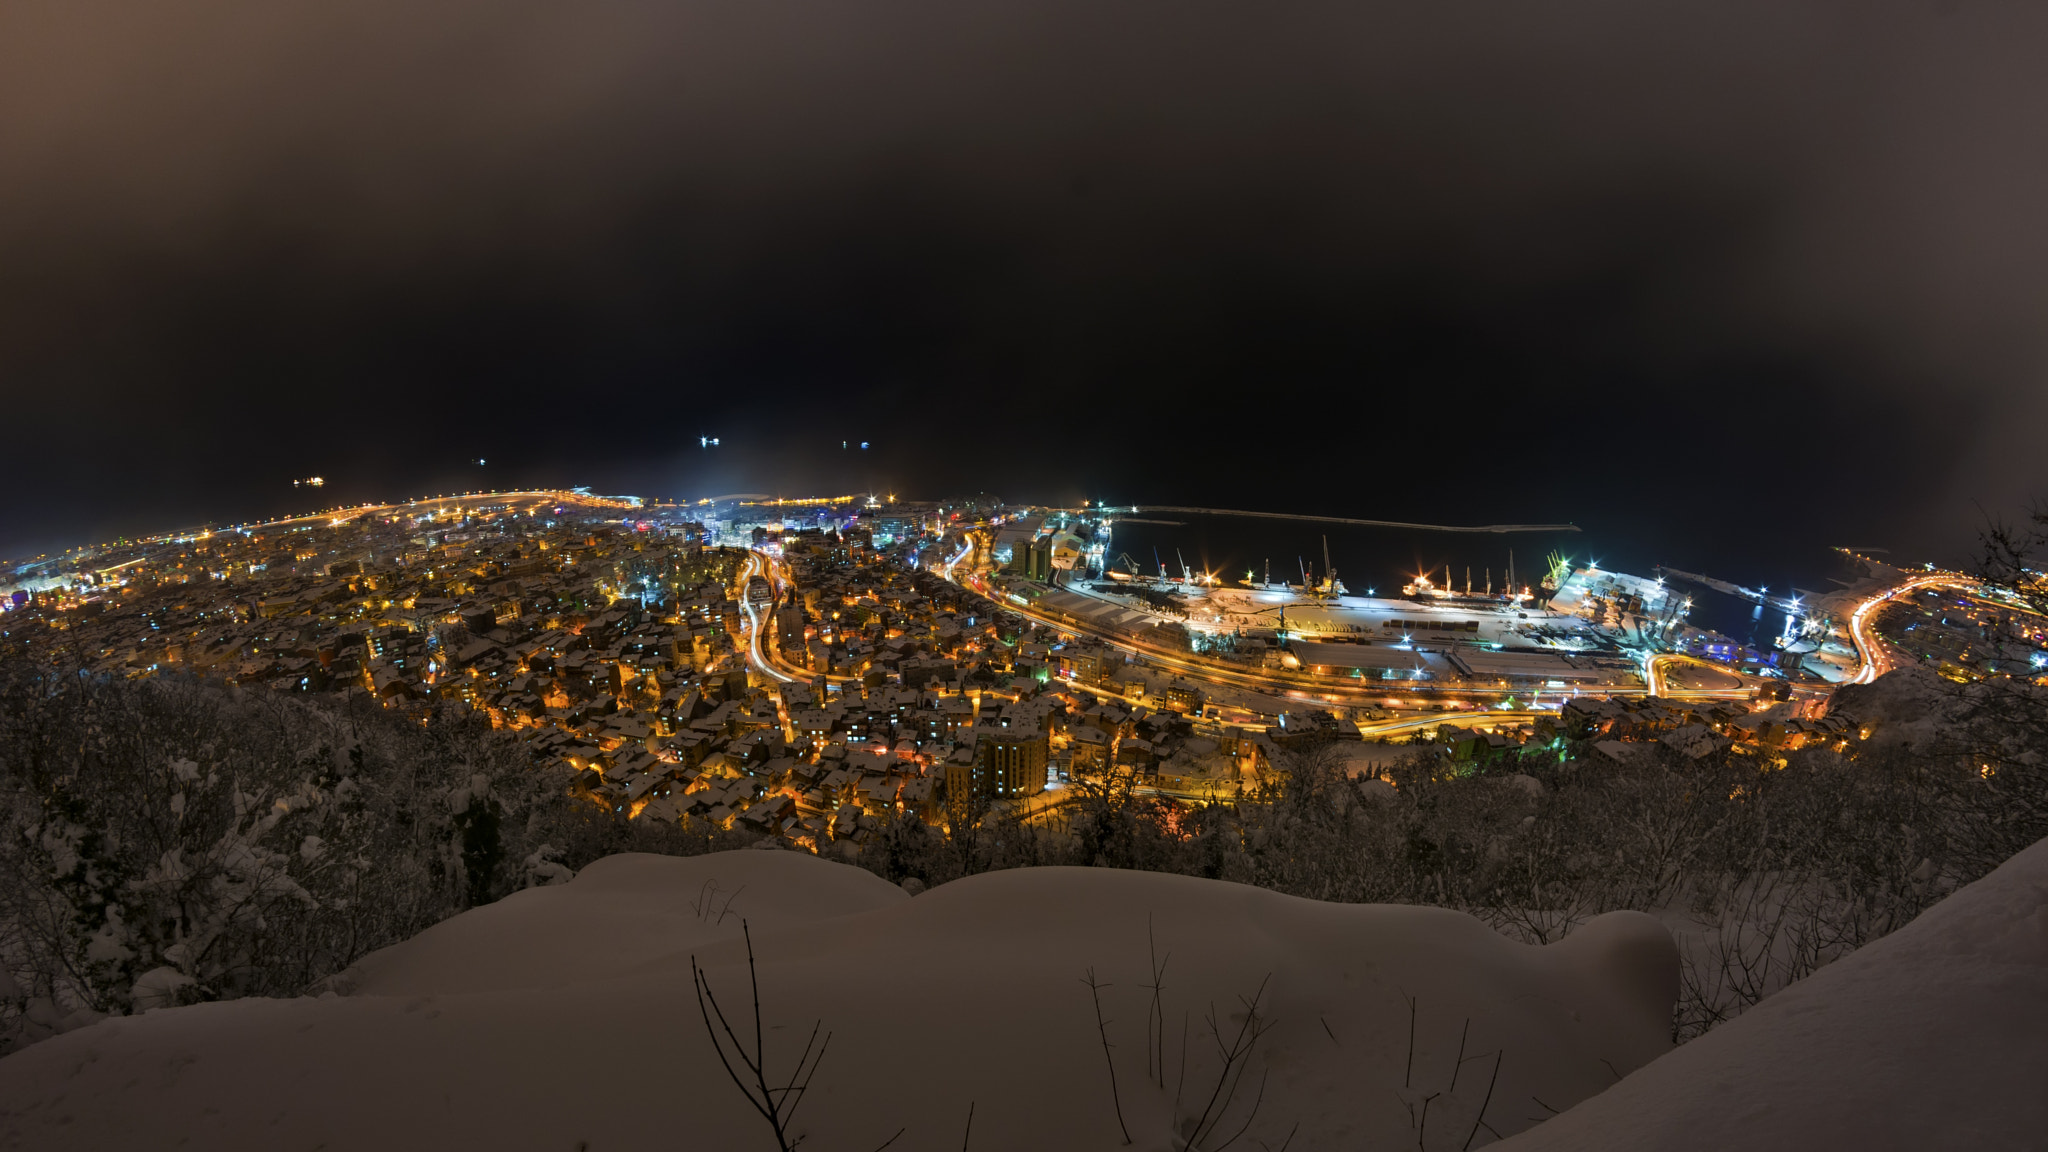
x: 1933, y: 1037
x: 564, y: 1018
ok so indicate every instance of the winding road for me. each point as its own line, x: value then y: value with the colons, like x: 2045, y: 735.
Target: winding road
x: 1877, y: 658
x: 760, y: 655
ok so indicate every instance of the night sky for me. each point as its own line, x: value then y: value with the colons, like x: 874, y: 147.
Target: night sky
x: 1725, y: 274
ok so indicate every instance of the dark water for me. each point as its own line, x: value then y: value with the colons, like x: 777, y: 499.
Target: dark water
x: 1383, y: 559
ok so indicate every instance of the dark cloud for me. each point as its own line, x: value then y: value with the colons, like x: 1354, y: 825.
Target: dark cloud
x: 1772, y: 263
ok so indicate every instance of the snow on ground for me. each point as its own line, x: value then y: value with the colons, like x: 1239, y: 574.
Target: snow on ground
x: 1908, y: 706
x: 620, y: 912
x: 1933, y: 1037
x: 564, y: 1018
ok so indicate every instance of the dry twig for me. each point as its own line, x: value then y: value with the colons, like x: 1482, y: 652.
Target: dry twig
x: 1102, y: 1028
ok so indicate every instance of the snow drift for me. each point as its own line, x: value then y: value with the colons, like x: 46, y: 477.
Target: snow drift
x: 1935, y: 1036
x: 1910, y: 706
x: 565, y: 1017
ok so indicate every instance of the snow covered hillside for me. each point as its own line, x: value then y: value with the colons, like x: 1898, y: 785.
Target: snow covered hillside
x: 566, y: 1017
x: 1935, y: 1036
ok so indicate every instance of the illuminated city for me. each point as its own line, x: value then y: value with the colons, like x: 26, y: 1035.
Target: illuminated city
x: 1023, y: 576
x: 799, y: 668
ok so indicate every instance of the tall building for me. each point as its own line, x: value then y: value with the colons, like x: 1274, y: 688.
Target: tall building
x: 1032, y: 559
x: 1007, y: 762
x: 789, y: 627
